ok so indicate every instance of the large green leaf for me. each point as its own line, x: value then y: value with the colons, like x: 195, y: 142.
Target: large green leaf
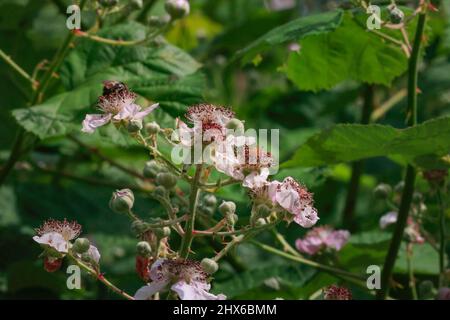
x: 161, y: 73
x: 349, y: 142
x: 292, y: 31
x: 349, y: 52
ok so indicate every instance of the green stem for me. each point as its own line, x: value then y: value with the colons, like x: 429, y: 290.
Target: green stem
x: 442, y: 236
x: 405, y: 203
x: 329, y: 269
x: 412, y: 280
x: 193, y: 199
x: 16, y: 67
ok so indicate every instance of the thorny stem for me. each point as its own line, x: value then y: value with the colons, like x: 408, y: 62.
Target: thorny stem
x: 247, y: 230
x: 286, y: 246
x: 442, y: 235
x: 19, y: 70
x: 407, y: 195
x: 193, y: 199
x: 101, y: 278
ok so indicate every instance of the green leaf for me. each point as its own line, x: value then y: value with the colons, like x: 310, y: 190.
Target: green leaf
x: 291, y: 31
x: 349, y: 52
x: 161, y: 73
x: 349, y: 142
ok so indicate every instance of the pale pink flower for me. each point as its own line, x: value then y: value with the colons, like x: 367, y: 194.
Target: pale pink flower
x: 412, y: 230
x: 321, y: 238
x: 296, y: 199
x: 117, y: 104
x: 185, y: 277
x: 443, y: 294
x: 57, y: 234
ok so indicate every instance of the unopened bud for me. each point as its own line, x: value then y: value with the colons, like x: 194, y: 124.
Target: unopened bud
x: 134, y: 125
x: 138, y: 227
x: 382, y: 191
x: 177, y: 8
x: 210, y: 200
x: 162, y: 232
x: 236, y: 125
x: 143, y: 249
x: 260, y: 222
x: 209, y: 265
x: 136, y: 4
x: 152, y: 128
x: 151, y: 169
x: 417, y: 197
x: 227, y: 208
x: 158, y: 22
x: 263, y: 211
x: 166, y: 179
x: 232, y: 219
x: 122, y: 201
x: 81, y: 245
x: 396, y: 15
x: 426, y: 289
x: 399, y: 187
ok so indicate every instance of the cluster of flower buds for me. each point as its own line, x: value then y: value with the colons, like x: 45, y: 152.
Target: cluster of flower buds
x: 334, y: 292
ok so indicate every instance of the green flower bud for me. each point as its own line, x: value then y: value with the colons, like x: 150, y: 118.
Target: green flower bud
x: 208, y: 210
x: 260, y: 222
x: 426, y: 290
x: 134, y: 125
x: 232, y: 219
x: 152, y: 128
x: 227, y: 208
x: 236, y: 125
x: 162, y: 232
x: 177, y: 8
x: 122, y: 201
x: 166, y: 179
x: 396, y: 15
x: 143, y: 249
x: 399, y: 187
x: 210, y: 200
x: 151, y: 169
x: 263, y: 211
x: 157, y: 22
x: 209, y: 265
x: 382, y: 191
x: 81, y: 245
x: 159, y: 191
x: 138, y: 227
x: 136, y: 4
x: 86, y: 257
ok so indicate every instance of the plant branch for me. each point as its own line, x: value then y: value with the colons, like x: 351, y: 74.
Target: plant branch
x: 19, y: 70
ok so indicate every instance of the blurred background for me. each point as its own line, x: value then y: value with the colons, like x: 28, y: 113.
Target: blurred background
x: 69, y: 175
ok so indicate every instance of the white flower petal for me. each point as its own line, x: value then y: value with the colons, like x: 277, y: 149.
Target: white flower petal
x: 54, y: 240
x: 387, y: 219
x: 195, y: 291
x: 146, y: 292
x: 93, y: 121
x: 145, y: 112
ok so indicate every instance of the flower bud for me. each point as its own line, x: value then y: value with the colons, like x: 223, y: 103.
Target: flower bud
x: 166, y: 179
x: 151, y: 169
x: 86, y: 257
x: 236, y: 125
x: 209, y: 265
x: 138, y: 227
x: 232, y: 219
x: 426, y: 289
x: 260, y: 222
x: 158, y: 22
x: 134, y: 125
x: 159, y: 191
x: 210, y: 200
x: 396, y: 15
x: 81, y: 245
x: 177, y: 8
x: 227, y: 208
x: 382, y: 191
x: 52, y: 264
x: 208, y: 210
x: 122, y: 201
x: 162, y: 232
x: 152, y: 128
x: 143, y: 249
